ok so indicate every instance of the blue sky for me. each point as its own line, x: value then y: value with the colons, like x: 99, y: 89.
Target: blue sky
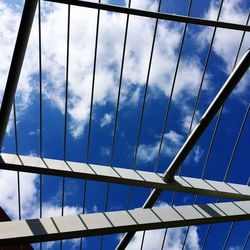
x: 109, y: 54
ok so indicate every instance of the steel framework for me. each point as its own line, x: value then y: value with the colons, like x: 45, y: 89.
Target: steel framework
x: 125, y: 221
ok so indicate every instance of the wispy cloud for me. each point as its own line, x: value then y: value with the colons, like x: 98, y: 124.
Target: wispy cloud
x: 110, y: 44
x: 106, y: 120
x: 171, y: 144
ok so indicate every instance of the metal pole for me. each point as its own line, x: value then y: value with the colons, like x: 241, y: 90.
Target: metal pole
x: 151, y: 14
x: 212, y: 110
x: 16, y: 64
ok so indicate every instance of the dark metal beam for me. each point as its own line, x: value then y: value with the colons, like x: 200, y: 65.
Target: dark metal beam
x: 16, y: 64
x: 212, y: 110
x: 151, y: 14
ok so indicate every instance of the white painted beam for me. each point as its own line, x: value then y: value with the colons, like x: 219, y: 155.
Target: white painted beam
x: 123, y: 176
x: 84, y: 225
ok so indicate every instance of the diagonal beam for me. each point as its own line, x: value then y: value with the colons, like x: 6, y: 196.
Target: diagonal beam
x: 208, y: 116
x: 123, y: 176
x: 84, y: 225
x: 151, y: 14
x: 205, y: 120
x: 16, y: 64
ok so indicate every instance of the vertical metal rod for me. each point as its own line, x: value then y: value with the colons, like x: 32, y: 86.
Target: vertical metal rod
x: 121, y: 246
x: 228, y: 168
x: 246, y: 242
x: 235, y: 62
x: 41, y: 107
x: 17, y: 152
x: 205, y: 68
x: 143, y: 104
x: 83, y: 207
x: 66, y: 112
x: 142, y: 110
x: 91, y: 108
x: 16, y: 64
x: 93, y: 84
x: 117, y: 111
x: 146, y: 89
x: 119, y: 88
x: 144, y: 101
x: 194, y: 112
x: 171, y: 92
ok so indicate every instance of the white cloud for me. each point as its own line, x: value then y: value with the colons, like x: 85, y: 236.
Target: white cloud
x: 224, y: 46
x: 170, y: 146
x: 235, y: 248
x: 9, y: 198
x: 226, y: 42
x: 106, y: 119
x: 110, y: 45
x: 29, y: 197
x: 198, y: 152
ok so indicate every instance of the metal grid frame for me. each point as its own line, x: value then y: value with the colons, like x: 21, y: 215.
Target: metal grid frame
x: 217, y: 105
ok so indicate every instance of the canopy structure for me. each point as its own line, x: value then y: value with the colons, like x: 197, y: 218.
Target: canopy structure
x: 232, y: 202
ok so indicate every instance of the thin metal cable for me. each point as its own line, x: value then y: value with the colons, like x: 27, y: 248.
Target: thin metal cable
x: 105, y: 209
x: 205, y: 164
x: 93, y: 83
x: 116, y: 113
x: 119, y: 89
x: 41, y: 121
x: 169, y: 103
x: 143, y: 106
x: 246, y: 242
x: 205, y: 69
x: 40, y: 81
x: 66, y: 111
x: 235, y: 62
x: 17, y: 152
x: 146, y: 89
x: 203, y: 77
x: 83, y: 207
x: 228, y: 168
x: 193, y: 115
x: 91, y: 110
x: 142, y: 241
x: 144, y: 101
x: 172, y: 91
x: 227, y: 171
x: 236, y: 144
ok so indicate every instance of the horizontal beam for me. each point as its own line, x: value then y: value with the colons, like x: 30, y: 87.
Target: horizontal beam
x: 122, y: 176
x: 151, y: 14
x: 84, y: 225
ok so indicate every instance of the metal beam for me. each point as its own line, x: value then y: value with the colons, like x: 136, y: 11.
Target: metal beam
x: 207, y: 117
x: 16, y: 64
x: 151, y: 14
x: 123, y: 176
x: 212, y: 110
x: 84, y: 225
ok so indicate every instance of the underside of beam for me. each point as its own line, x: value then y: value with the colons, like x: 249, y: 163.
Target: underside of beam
x: 151, y: 14
x: 56, y: 228
x: 123, y: 176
